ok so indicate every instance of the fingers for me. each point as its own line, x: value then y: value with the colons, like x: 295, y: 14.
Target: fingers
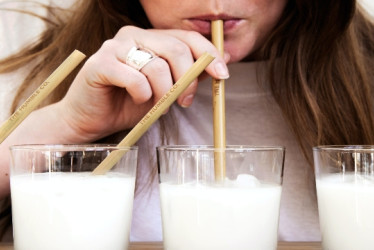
x: 176, y: 50
x: 197, y: 45
x: 180, y: 49
x: 104, y: 69
x: 158, y: 74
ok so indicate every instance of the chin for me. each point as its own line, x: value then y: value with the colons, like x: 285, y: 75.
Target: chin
x: 238, y: 53
x: 237, y: 56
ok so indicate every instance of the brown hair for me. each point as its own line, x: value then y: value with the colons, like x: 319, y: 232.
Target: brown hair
x: 321, y: 72
x: 321, y: 59
x: 67, y: 30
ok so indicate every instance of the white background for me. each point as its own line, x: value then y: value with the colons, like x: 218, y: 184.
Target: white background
x: 369, y: 4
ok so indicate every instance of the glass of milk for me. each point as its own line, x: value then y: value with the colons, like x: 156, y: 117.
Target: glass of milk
x: 240, y: 212
x: 57, y: 203
x: 345, y: 192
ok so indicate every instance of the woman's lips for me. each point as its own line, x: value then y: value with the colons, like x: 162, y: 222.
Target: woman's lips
x: 203, y: 25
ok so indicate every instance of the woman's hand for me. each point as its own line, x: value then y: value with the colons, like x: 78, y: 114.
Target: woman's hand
x: 108, y: 96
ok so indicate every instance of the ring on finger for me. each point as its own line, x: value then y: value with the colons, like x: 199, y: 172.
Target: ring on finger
x: 137, y: 58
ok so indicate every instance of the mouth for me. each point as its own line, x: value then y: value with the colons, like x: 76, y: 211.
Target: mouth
x: 202, y: 24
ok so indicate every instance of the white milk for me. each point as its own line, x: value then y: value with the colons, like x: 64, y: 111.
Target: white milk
x: 346, y: 211
x: 72, y: 211
x: 240, y: 215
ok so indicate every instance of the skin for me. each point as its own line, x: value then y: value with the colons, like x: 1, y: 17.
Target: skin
x: 247, y: 23
x: 108, y: 96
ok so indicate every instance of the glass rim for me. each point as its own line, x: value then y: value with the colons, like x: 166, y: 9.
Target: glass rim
x: 212, y: 148
x: 343, y: 148
x: 71, y: 147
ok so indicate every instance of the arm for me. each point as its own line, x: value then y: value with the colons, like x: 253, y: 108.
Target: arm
x: 108, y: 96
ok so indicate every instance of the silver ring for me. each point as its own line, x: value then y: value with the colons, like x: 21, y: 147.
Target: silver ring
x: 138, y: 58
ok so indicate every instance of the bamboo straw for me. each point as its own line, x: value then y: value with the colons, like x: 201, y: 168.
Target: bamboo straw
x: 156, y: 111
x: 219, y: 120
x: 41, y: 93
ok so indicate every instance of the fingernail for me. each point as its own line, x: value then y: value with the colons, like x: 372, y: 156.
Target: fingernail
x: 187, y: 101
x: 221, y: 70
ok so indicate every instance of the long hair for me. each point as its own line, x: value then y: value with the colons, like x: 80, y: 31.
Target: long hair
x: 320, y: 59
x: 320, y: 62
x: 85, y: 27
x: 321, y: 72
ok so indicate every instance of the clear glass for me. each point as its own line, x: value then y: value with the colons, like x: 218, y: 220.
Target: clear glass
x: 57, y: 203
x: 345, y: 192
x: 241, y: 212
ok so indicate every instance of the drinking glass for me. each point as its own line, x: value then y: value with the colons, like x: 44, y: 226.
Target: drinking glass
x: 57, y: 203
x: 239, y: 212
x: 345, y: 192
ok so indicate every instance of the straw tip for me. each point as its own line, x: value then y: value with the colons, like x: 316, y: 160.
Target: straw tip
x: 208, y: 56
x: 78, y: 53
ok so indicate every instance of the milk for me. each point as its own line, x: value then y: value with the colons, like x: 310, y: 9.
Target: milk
x: 71, y: 210
x: 346, y: 210
x: 237, y: 215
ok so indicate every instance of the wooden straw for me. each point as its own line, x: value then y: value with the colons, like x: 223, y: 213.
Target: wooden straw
x: 41, y: 93
x: 219, y: 120
x: 156, y: 111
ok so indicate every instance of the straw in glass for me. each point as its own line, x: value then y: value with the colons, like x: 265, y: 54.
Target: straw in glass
x: 219, y: 119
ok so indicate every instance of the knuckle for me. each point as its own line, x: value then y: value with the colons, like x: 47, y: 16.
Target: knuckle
x: 139, y: 88
x: 126, y: 30
x: 160, y: 66
x: 138, y: 80
x: 193, y: 36
x: 109, y: 44
x: 180, y: 49
x: 92, y: 62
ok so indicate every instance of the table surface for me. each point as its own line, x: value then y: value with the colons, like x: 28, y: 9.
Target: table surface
x: 158, y: 246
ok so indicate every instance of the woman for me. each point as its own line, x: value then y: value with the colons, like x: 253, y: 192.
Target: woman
x: 314, y: 63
